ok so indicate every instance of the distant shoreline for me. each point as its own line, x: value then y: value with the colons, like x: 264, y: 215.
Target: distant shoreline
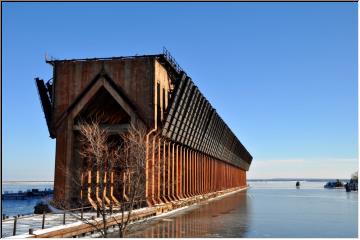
x: 22, y: 181
x: 296, y: 179
x: 251, y: 180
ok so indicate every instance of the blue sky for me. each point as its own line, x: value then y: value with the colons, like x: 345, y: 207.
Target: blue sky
x: 283, y: 76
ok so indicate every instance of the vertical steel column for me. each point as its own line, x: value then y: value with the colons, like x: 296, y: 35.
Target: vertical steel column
x: 218, y: 175
x: 188, y: 172
x: 199, y: 170
x: 184, y: 173
x: 197, y: 173
x: 177, y: 174
x: 221, y: 174
x: 206, y: 175
x: 158, y: 174
x: 209, y: 167
x: 181, y: 169
x: 226, y: 176
x: 169, y: 183
x: 151, y: 174
x: 173, y: 194
x: 202, y: 174
x: 192, y: 174
x: 163, y: 196
x: 231, y: 176
x: 211, y: 175
x: 215, y: 175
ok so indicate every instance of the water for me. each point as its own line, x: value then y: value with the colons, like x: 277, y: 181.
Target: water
x: 15, y: 207
x: 267, y: 209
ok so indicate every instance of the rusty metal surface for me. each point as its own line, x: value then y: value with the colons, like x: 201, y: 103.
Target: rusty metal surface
x: 198, y: 153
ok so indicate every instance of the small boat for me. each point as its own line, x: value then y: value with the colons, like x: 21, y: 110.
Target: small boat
x: 297, y: 184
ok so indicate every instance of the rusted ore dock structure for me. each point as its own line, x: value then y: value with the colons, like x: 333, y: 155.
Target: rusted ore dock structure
x: 200, y: 153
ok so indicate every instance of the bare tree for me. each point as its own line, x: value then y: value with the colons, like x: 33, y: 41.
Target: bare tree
x: 132, y: 157
x: 96, y: 150
x: 118, y: 165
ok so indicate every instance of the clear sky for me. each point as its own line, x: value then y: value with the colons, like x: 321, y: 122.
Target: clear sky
x: 283, y: 76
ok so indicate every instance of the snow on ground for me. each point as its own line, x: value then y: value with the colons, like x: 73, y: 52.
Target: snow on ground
x: 35, y: 222
x: 56, y: 219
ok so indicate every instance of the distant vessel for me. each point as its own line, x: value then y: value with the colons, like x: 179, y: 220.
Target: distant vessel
x: 297, y: 184
x: 29, y: 194
x: 336, y: 184
x: 353, y: 184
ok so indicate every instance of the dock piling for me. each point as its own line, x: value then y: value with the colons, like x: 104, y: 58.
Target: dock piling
x: 43, y: 221
x: 14, y: 229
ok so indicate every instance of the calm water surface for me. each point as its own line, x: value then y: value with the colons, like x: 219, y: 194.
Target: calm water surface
x: 15, y: 207
x: 267, y: 209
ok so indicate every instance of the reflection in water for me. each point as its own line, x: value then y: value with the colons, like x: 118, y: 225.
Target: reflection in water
x: 264, y: 210
x: 204, y: 220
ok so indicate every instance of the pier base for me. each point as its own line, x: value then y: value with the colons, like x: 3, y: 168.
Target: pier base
x: 80, y: 228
